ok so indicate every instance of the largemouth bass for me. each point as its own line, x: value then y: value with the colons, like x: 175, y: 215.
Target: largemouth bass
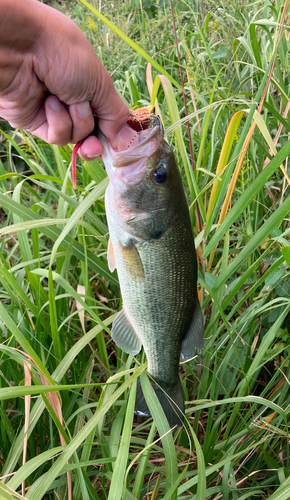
x: 152, y: 247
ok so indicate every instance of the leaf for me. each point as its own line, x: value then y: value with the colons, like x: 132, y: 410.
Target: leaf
x: 57, y: 375
x: 254, y: 242
x: 141, y: 472
x: 24, y: 226
x: 76, y: 441
x: 247, y: 197
x: 255, y: 45
x: 34, y: 463
x: 55, y: 402
x: 7, y: 493
x: 223, y: 158
x: 118, y: 476
x: 81, y: 290
x: 274, y: 277
x: 257, y: 363
x: 162, y: 425
x: 286, y: 254
x: 27, y: 400
x: 201, y: 476
x: 132, y: 44
x: 78, y: 213
x: 53, y: 317
x: 8, y: 321
x: 210, y: 279
x: 61, y: 281
x: 53, y: 233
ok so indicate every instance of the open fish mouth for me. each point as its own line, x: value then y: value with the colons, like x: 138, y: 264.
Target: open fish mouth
x: 130, y: 145
x: 127, y: 157
x: 135, y: 135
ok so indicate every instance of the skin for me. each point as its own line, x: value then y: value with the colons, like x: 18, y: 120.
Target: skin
x: 51, y: 80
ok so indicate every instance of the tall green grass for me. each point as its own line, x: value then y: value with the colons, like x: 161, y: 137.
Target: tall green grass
x: 58, y: 297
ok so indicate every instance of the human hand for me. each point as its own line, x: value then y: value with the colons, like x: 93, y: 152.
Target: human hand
x: 52, y: 82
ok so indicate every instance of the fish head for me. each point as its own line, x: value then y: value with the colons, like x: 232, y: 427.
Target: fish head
x: 143, y: 181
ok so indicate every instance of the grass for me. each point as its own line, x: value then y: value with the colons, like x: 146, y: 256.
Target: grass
x: 67, y: 393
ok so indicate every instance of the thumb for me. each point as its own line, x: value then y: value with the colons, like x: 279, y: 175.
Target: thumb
x: 112, y: 124
x: 111, y: 111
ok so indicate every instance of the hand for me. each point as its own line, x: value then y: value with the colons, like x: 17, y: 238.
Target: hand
x: 52, y: 81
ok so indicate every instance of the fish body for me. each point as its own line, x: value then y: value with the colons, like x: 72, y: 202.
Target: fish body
x: 152, y: 247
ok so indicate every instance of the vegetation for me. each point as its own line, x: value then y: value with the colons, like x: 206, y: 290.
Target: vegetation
x: 67, y: 420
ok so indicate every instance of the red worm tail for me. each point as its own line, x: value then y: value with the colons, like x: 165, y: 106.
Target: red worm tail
x: 73, y: 163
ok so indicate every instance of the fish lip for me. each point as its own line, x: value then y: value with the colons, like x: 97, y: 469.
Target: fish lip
x: 158, y: 129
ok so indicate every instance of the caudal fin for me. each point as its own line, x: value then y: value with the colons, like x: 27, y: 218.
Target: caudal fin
x: 170, y: 398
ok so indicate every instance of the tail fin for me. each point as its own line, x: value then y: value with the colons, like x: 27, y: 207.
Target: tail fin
x: 170, y: 398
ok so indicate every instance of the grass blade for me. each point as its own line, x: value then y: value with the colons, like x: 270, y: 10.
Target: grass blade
x: 164, y: 432
x: 132, y: 44
x: 117, y: 481
x: 247, y: 197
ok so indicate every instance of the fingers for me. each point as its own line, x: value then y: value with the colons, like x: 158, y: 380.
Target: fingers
x: 90, y: 149
x: 52, y: 122
x: 62, y: 124
x: 82, y: 120
x: 56, y: 123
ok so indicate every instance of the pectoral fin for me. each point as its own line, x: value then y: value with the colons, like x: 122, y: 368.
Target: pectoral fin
x: 132, y: 259
x: 124, y: 335
x: 111, y: 256
x: 193, y: 339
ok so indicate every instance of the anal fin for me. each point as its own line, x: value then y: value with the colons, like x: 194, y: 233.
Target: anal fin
x: 124, y: 335
x: 193, y: 339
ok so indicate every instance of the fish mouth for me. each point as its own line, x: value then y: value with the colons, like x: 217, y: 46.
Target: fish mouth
x: 130, y: 146
x: 126, y: 158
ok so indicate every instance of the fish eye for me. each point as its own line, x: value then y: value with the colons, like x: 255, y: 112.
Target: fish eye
x: 159, y: 175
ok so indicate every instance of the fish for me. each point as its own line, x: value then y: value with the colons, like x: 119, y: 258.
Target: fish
x: 152, y: 247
